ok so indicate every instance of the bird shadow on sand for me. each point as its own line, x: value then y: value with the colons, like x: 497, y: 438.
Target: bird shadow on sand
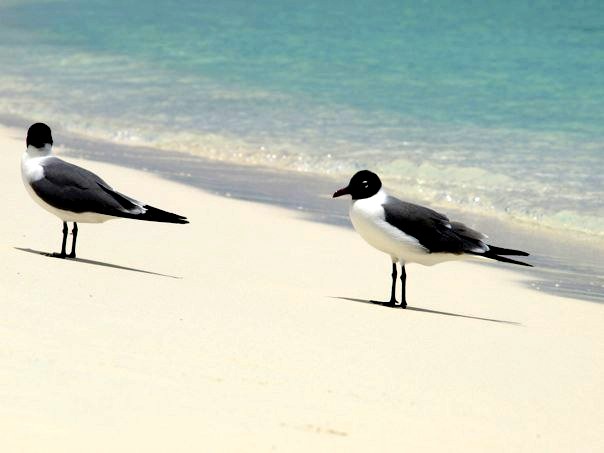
x: 425, y: 310
x: 98, y: 263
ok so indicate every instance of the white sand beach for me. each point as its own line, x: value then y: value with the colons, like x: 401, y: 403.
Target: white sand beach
x: 248, y: 330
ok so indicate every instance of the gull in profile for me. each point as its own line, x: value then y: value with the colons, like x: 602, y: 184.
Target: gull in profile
x: 75, y: 194
x: 410, y: 233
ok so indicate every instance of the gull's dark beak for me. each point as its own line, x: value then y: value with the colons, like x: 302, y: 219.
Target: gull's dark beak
x: 339, y: 193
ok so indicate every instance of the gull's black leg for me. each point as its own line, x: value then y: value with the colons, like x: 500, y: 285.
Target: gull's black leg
x: 63, y: 254
x: 392, y: 302
x: 403, y: 303
x: 74, y: 233
x: 393, y: 290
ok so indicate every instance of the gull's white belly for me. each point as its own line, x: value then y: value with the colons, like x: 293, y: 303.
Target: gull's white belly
x: 386, y: 238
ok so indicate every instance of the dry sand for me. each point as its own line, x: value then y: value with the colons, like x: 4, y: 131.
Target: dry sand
x: 247, y: 331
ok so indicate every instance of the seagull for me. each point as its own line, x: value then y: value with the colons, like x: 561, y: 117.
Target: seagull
x: 75, y: 194
x: 410, y: 233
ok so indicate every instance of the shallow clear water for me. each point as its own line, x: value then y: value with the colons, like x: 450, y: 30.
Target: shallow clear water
x: 488, y: 106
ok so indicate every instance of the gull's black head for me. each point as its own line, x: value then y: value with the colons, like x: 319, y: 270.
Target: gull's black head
x: 39, y: 135
x: 363, y: 184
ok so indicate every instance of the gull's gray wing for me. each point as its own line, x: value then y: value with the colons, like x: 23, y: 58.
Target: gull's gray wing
x: 71, y: 188
x: 433, y: 230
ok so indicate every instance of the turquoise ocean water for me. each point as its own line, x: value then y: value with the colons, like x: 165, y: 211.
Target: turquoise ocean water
x: 491, y: 106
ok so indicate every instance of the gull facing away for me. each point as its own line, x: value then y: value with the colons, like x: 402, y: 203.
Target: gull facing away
x: 410, y: 233
x: 75, y: 194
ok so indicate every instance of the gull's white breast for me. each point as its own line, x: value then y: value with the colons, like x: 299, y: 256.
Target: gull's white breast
x: 369, y: 220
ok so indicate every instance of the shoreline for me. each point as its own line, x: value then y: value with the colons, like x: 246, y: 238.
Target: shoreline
x: 566, y: 263
x: 79, y: 141
x: 216, y: 337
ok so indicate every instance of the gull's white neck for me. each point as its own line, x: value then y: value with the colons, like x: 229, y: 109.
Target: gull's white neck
x: 31, y: 160
x: 32, y: 151
x: 377, y: 199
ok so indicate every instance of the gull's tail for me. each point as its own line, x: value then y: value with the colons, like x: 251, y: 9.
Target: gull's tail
x: 502, y: 251
x: 152, y: 214
x: 494, y: 253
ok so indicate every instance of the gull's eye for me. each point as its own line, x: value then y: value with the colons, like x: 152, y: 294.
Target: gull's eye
x: 365, y: 184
